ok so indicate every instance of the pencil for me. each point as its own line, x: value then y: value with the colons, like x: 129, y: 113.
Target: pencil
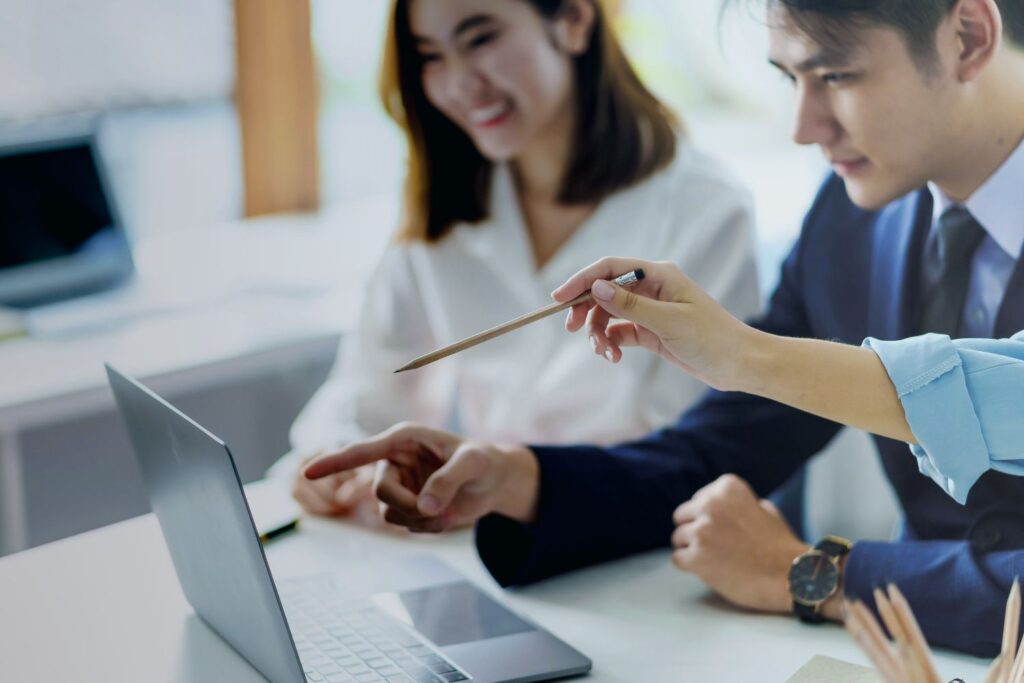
x: 995, y: 673
x: 1010, y: 624
x: 908, y: 658
x: 868, y: 634
x: 912, y: 630
x: 629, y: 278
x: 277, y: 531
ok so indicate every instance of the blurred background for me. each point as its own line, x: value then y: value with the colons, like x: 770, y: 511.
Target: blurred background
x: 257, y: 180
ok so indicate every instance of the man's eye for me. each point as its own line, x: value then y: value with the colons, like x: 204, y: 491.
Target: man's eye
x: 836, y: 77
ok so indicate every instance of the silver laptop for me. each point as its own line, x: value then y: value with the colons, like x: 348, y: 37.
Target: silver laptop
x: 417, y: 621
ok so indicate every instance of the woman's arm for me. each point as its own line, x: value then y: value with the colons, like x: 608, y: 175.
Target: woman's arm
x: 671, y: 316
x: 846, y: 384
x: 956, y: 402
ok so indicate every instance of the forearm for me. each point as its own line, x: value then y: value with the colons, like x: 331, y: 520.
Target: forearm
x: 846, y: 384
x: 632, y: 493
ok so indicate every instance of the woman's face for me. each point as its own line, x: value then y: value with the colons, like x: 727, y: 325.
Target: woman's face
x: 498, y: 69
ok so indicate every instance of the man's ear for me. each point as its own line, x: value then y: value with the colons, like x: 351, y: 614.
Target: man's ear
x: 979, y: 31
x: 575, y: 26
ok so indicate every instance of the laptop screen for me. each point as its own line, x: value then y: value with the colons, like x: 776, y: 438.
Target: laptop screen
x: 52, y: 205
x: 58, y: 231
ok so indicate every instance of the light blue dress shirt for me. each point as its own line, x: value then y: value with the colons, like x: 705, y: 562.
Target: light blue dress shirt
x: 964, y: 402
x: 964, y: 399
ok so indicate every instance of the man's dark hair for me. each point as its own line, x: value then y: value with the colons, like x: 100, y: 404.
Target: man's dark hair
x: 828, y: 22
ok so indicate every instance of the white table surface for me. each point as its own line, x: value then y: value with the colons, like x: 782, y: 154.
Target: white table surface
x: 106, y: 606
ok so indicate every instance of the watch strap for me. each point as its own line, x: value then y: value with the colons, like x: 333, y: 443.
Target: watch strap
x: 833, y: 546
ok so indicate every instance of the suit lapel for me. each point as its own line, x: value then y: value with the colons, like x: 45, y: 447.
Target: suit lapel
x: 899, y: 234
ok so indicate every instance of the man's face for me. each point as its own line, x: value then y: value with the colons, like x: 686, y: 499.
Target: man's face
x: 881, y: 121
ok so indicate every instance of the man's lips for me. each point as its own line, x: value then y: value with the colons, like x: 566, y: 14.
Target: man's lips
x: 849, y: 166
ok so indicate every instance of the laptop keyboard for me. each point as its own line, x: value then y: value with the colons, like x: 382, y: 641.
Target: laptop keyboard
x: 344, y: 638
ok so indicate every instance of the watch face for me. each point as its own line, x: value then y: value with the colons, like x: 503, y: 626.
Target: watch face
x: 813, y: 578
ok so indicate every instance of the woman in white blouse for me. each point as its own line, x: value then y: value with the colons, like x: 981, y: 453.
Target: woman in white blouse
x: 533, y: 149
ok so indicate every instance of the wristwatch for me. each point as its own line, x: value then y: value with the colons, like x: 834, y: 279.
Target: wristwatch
x: 815, y: 577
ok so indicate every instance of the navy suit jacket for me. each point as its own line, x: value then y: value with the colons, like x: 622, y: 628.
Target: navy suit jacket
x: 852, y: 274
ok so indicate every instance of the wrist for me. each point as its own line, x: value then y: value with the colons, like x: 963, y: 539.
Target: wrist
x: 519, y: 488
x: 757, y: 361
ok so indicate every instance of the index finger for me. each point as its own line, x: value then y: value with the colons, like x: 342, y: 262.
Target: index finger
x: 348, y: 458
x: 607, y: 268
x: 379, y: 447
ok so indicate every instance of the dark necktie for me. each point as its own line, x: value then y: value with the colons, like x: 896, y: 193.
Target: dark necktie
x: 946, y: 278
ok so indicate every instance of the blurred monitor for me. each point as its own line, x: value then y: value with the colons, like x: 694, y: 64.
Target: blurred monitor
x: 60, y: 235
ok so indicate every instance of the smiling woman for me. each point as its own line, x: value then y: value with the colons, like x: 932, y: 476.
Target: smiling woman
x: 473, y: 85
x: 533, y: 147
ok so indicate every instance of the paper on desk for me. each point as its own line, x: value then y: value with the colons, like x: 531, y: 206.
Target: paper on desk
x: 827, y: 670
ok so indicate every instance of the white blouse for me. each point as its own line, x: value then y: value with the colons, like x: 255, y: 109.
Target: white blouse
x: 538, y: 384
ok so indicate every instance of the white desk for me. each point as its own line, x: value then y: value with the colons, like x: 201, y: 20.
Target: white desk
x: 106, y: 606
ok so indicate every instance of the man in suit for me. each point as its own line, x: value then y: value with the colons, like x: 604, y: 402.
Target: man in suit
x: 919, y: 106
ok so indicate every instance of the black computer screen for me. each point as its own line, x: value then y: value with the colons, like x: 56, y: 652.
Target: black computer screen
x: 52, y: 205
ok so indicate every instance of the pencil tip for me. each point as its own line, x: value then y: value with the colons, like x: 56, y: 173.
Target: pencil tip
x: 640, y: 275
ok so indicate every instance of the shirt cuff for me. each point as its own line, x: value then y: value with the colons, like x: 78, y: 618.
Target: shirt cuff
x: 928, y: 375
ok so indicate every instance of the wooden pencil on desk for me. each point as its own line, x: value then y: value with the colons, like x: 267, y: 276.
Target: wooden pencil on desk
x: 908, y: 659
x: 629, y: 278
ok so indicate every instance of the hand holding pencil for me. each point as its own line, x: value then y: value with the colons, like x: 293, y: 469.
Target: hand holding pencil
x: 624, y: 280
x: 667, y: 314
x: 907, y: 658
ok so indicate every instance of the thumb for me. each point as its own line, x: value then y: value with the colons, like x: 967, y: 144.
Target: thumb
x: 622, y: 303
x: 442, y: 486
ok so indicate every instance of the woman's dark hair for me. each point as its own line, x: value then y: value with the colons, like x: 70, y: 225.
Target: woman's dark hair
x: 623, y: 133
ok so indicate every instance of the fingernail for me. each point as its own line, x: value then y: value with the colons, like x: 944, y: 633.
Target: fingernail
x: 593, y: 343
x: 609, y: 355
x: 602, y: 290
x: 428, y: 505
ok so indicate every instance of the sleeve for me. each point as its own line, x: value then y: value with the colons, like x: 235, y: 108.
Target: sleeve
x: 597, y: 504
x: 362, y: 395
x: 712, y: 241
x: 961, y: 399
x: 956, y: 592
